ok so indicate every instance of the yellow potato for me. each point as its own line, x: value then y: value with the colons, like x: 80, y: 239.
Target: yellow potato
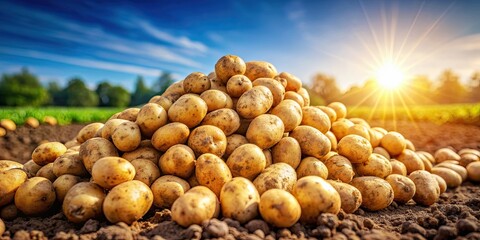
x: 31, y: 168
x: 279, y: 208
x: 64, y: 183
x: 381, y: 151
x: 316, y: 118
x: 9, y: 212
x: 294, y: 96
x: 254, y: 102
x: 147, y: 152
x: 174, y: 92
x: 411, y: 160
x: 409, y: 145
x: 69, y: 163
x: 359, y: 121
x: 35, y: 196
x: 178, y: 160
x: 268, y: 157
x: 444, y: 154
x: 94, y: 149
x: 32, y: 122
x: 359, y: 130
x: 259, y: 69
x: 110, y: 126
x: 333, y: 140
x: 216, y: 99
x: 207, y: 139
x: 2, y: 227
x: 375, y: 137
x: 50, y: 120
x: 305, y: 95
x: 277, y: 89
x: 8, y: 164
x: 340, y: 127
x: 469, y: 151
x: 8, y: 124
x: 376, y: 193
x: 357, y: 149
x: 212, y: 172
x: 339, y: 168
x: 226, y: 119
x: 455, y: 167
x: 239, y: 200
x: 427, y: 188
x: 145, y: 171
x: 293, y: 82
x: 265, y: 131
x: 233, y: 142
x: 216, y: 84
x: 350, y: 196
x: 83, y: 202
x: 339, y: 109
x: 277, y: 175
x: 47, y: 152
x: 441, y: 183
x: 381, y: 130
x: 473, y: 170
x: 10, y: 180
x: 127, y: 136
x: 237, y: 85
x: 150, y: 118
x: 467, y: 158
x: 3, y: 132
x: 403, y: 187
x: 312, y: 142
x: 394, y: 143
x: 229, y: 66
x: 290, y: 112
x: 109, y: 172
x: 287, y: 150
x: 162, y: 101
x: 166, y: 189
x: 427, y: 155
x: 248, y: 160
x: 47, y: 172
x: 196, y: 82
x: 244, y: 123
x: 376, y: 165
x: 311, y: 166
x: 127, y: 202
x: 452, y: 178
x: 88, y: 132
x: 129, y: 114
x: 315, y: 196
x: 189, y: 109
x: 169, y: 135
x: 398, y: 167
x: 195, y: 206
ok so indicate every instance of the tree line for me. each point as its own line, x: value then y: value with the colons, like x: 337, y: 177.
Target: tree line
x: 24, y: 89
x: 419, y: 90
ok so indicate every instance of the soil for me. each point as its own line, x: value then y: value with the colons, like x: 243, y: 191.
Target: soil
x: 455, y: 216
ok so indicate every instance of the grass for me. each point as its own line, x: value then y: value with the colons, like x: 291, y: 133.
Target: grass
x: 64, y: 115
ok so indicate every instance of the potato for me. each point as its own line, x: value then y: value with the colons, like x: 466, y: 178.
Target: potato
x: 233, y: 142
x: 293, y: 82
x: 381, y: 151
x: 145, y: 171
x: 376, y: 165
x: 294, y: 96
x: 3, y: 132
x: 147, y: 153
x: 127, y: 202
x: 127, y: 136
x: 468, y: 158
x: 452, y: 178
x: 32, y: 122
x: 409, y: 145
x: 315, y: 196
x: 403, y: 188
x: 248, y: 160
x: 69, y: 163
x: 277, y: 175
x: 357, y: 149
x: 150, y: 118
x: 50, y: 120
x: 259, y: 69
x: 196, y: 82
x: 311, y: 166
x: 340, y: 127
x: 333, y: 140
x: 129, y: 114
x: 2, y: 227
x: 441, y: 183
x: 47, y: 172
x: 290, y: 113
x: 394, y: 143
x: 169, y: 135
x: 216, y: 84
x: 316, y: 118
x: 254, y: 102
x: 239, y: 200
x: 376, y: 193
x: 195, y: 206
x: 208, y: 139
x: 473, y: 170
x: 427, y: 189
x: 359, y: 130
x: 244, y: 123
x: 287, y: 150
x: 444, y: 154
x: 339, y: 168
x: 411, y: 160
x: 268, y: 157
x: 375, y: 137
x: 35, y: 196
x: 174, y: 92
x: 279, y: 208
x: 6, y: 165
x: 8, y: 124
x: 312, y: 142
x: 229, y: 66
x: 359, y: 121
x: 351, y: 197
x: 381, y: 130
x: 216, y: 99
x: 31, y: 168
x: 47, y: 152
x: 94, y: 149
x: 470, y: 151
x: 277, y: 89
x: 88, y: 132
x: 10, y: 180
x: 189, y: 109
x: 339, y: 109
x: 8, y: 212
x: 166, y: 189
x: 226, y: 119
x: 427, y: 155
x: 265, y: 131
x: 110, y: 126
x: 83, y: 202
x: 179, y: 160
x: 64, y: 183
x: 426, y: 163
x: 109, y: 172
x: 212, y: 172
x: 305, y: 95
x: 237, y: 85
x: 164, y: 102
x: 398, y: 167
x: 457, y: 168
x: 329, y: 155
x: 193, y: 181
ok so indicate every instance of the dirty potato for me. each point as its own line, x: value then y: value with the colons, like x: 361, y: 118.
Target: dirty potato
x: 83, y: 202
x: 178, y: 160
x: 254, y: 102
x: 145, y: 171
x: 88, y: 132
x: 64, y: 183
x: 47, y: 172
x: 233, y: 142
x: 444, y: 154
x: 162, y: 101
x: 294, y: 96
x: 279, y: 208
x: 357, y: 149
x: 69, y: 163
x: 127, y: 136
x: 147, y: 152
x: 150, y: 118
x: 277, y: 89
x: 229, y: 66
x: 35, y: 196
x: 248, y: 160
x: 339, y: 109
x: 403, y: 187
x: 287, y: 150
x: 166, y: 189
x: 207, y: 139
x: 290, y: 112
x: 312, y: 141
x: 398, y: 167
x: 311, y: 166
x: 340, y: 127
x: 47, y: 152
x: 169, y: 135
x: 411, y: 160
x: 350, y: 196
x: 237, y: 85
x: 189, y: 109
x: 427, y: 189
x: 196, y: 82
x: 212, y: 172
x: 174, y: 92
x: 339, y: 168
x: 226, y: 119
x: 216, y: 99
x: 473, y: 170
x: 109, y: 172
x: 10, y: 180
x: 31, y: 168
x: 195, y: 206
x: 259, y: 69
x: 376, y: 165
x: 452, y: 178
x: 441, y: 183
x: 9, y: 212
x: 265, y: 131
x: 277, y: 175
x: 94, y: 149
x: 293, y: 83
x: 8, y: 164
x: 239, y: 200
x: 376, y: 193
x: 394, y: 143
x: 316, y: 118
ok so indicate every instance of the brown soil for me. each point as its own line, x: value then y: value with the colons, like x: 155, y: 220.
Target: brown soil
x: 455, y: 216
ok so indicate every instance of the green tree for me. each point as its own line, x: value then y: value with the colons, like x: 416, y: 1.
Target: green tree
x: 22, y: 89
x: 77, y: 94
x: 450, y: 89
x: 326, y: 87
x: 118, y: 97
x: 142, y: 92
x: 54, y: 91
x: 163, y: 82
x: 102, y: 91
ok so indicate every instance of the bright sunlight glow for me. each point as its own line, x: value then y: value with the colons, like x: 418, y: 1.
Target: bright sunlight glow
x: 389, y: 76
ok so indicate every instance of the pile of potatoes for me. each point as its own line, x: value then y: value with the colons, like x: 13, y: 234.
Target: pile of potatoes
x: 242, y: 142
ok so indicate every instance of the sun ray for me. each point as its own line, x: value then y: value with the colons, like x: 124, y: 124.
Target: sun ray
x: 409, y: 32
x: 372, y: 31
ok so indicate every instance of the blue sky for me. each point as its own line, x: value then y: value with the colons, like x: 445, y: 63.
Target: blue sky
x: 118, y: 40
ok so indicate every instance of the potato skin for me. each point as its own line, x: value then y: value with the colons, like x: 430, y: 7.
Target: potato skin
x: 315, y: 196
x: 212, y: 172
x: 94, y: 149
x: 2, y: 227
x: 31, y: 168
x: 69, y: 163
x: 473, y: 170
x: 277, y: 89
x: 129, y: 114
x: 444, y: 154
x: 64, y: 183
x: 195, y: 206
x: 376, y: 165
x: 428, y: 190
x: 376, y: 193
x: 340, y: 127
x: 394, y: 143
x: 455, y: 167
x: 9, y: 212
x: 196, y: 82
x: 169, y: 135
x: 10, y: 181
x: 150, y: 118
x: 207, y: 139
x: 83, y: 202
x: 350, y: 196
x: 178, y: 160
x: 237, y: 85
x: 189, y: 109
x: 216, y: 99
x: 287, y: 150
x: 452, y: 178
x: 311, y: 166
x: 47, y: 172
x: 441, y: 183
x: 109, y: 127
x: 403, y: 188
x: 357, y: 149
x: 254, y: 102
x: 127, y: 136
x: 411, y: 160
x: 109, y: 172
x: 398, y: 167
x: 145, y: 171
x: 47, y: 152
x: 229, y: 66
x: 293, y: 83
x: 312, y: 142
x: 233, y: 142
x: 147, y: 153
x: 166, y: 189
x: 248, y: 160
x: 339, y: 109
x: 265, y: 131
x: 6, y: 165
x: 162, y: 101
x: 174, y: 92
x: 239, y: 200
x: 259, y: 69
x: 339, y: 168
x: 279, y: 208
x: 277, y: 175
x: 88, y: 132
x: 316, y: 118
x: 35, y: 196
x: 290, y: 112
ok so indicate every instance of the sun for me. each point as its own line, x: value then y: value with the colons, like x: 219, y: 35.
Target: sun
x: 389, y: 76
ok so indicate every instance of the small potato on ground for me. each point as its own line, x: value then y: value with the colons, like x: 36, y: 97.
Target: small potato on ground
x: 403, y: 187
x: 239, y: 200
x: 35, y: 196
x: 277, y: 175
x: 83, y: 202
x: 195, y: 206
x: 64, y: 183
x: 47, y: 152
x: 166, y: 189
x: 473, y: 170
x: 376, y: 193
x: 279, y: 208
x: 427, y: 189
x: 211, y: 171
x: 350, y: 196
x: 357, y: 149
